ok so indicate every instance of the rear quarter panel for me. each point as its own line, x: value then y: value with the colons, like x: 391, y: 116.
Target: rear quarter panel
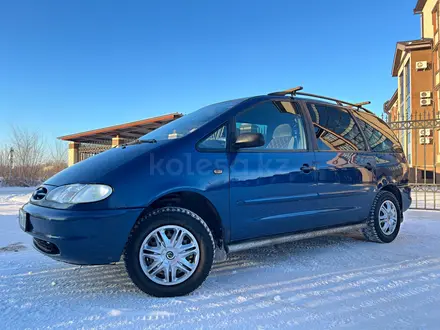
x: 391, y: 168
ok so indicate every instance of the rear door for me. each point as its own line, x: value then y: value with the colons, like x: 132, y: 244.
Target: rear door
x: 273, y: 187
x: 345, y: 167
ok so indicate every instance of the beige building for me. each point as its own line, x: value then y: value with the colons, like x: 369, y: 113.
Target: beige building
x: 429, y: 14
x: 413, y: 108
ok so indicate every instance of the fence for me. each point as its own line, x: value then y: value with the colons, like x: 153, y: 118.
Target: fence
x: 87, y: 150
x: 420, y: 138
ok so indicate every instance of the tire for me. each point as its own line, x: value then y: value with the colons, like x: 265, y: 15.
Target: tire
x: 179, y: 275
x: 374, y: 232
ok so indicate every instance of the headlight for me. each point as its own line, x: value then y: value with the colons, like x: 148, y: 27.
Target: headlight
x: 79, y: 193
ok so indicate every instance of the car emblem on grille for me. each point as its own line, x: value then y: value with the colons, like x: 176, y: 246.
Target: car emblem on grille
x: 39, y: 194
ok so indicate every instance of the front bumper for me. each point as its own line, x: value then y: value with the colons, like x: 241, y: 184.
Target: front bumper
x: 80, y: 237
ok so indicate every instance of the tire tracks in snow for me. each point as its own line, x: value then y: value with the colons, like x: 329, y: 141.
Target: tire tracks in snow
x: 193, y: 314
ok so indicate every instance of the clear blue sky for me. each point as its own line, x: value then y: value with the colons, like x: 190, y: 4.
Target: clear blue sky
x: 70, y: 66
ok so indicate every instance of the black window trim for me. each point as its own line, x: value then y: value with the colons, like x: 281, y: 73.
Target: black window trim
x: 254, y: 150
x: 350, y: 111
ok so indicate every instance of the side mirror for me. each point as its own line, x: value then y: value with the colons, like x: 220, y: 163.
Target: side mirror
x: 249, y: 140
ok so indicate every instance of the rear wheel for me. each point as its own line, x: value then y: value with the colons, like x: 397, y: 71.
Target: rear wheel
x: 170, y: 252
x: 385, y: 217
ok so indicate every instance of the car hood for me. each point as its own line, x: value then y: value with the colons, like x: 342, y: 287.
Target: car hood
x: 108, y: 167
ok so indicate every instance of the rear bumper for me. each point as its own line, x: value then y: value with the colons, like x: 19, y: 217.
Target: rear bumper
x: 80, y: 237
x: 405, y: 192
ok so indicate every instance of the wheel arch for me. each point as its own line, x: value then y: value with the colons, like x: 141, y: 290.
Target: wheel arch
x: 396, y: 192
x: 197, y: 203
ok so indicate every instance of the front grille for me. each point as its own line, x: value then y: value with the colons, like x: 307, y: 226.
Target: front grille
x: 46, y: 247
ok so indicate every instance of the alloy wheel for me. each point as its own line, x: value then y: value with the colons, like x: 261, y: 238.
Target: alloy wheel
x: 388, y: 217
x: 169, y: 255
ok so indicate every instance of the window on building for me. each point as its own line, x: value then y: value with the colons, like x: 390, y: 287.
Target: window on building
x: 280, y: 123
x: 428, y: 175
x: 335, y: 129
x: 401, y: 97
x: 408, y: 90
x: 438, y: 102
x: 437, y: 56
x: 215, y: 141
x: 436, y: 61
x: 438, y: 155
x: 401, y: 106
x: 379, y: 136
x: 435, y: 17
x: 408, y: 109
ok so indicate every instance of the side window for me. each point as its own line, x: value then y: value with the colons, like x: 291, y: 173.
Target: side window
x: 280, y: 123
x: 379, y: 136
x: 215, y: 141
x: 335, y: 128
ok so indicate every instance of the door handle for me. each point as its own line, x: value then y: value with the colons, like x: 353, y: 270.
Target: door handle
x: 368, y: 166
x: 306, y: 168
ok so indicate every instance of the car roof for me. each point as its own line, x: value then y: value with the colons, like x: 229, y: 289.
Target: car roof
x: 314, y: 100
x: 289, y: 98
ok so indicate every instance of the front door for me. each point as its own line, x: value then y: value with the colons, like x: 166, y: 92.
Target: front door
x: 273, y: 187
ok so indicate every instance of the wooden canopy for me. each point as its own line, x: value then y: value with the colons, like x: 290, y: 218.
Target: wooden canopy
x: 129, y: 131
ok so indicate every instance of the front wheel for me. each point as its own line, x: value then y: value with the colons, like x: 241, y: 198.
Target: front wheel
x: 169, y: 252
x: 383, y: 224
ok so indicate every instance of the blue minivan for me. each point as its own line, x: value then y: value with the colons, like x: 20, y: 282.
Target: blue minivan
x: 231, y: 176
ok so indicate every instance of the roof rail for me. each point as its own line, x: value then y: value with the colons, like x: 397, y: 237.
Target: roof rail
x: 296, y: 91
x: 291, y: 91
x: 360, y: 104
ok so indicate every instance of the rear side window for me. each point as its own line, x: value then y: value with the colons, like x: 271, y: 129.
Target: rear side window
x: 335, y: 129
x: 279, y: 122
x: 379, y: 136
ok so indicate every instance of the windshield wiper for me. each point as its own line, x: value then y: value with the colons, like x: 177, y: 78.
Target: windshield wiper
x: 144, y: 141
x: 138, y: 142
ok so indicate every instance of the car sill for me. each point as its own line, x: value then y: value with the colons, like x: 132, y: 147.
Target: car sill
x: 290, y: 238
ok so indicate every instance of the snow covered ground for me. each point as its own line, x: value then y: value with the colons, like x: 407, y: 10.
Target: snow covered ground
x: 324, y: 283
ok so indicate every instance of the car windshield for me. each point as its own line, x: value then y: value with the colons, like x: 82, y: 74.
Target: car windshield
x: 191, y: 122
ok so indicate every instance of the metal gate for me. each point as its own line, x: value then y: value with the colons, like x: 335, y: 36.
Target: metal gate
x: 87, y: 150
x: 420, y: 139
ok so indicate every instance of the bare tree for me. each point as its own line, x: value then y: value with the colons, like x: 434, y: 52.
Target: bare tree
x: 33, y: 162
x: 29, y: 150
x: 57, y: 161
x: 58, y: 154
